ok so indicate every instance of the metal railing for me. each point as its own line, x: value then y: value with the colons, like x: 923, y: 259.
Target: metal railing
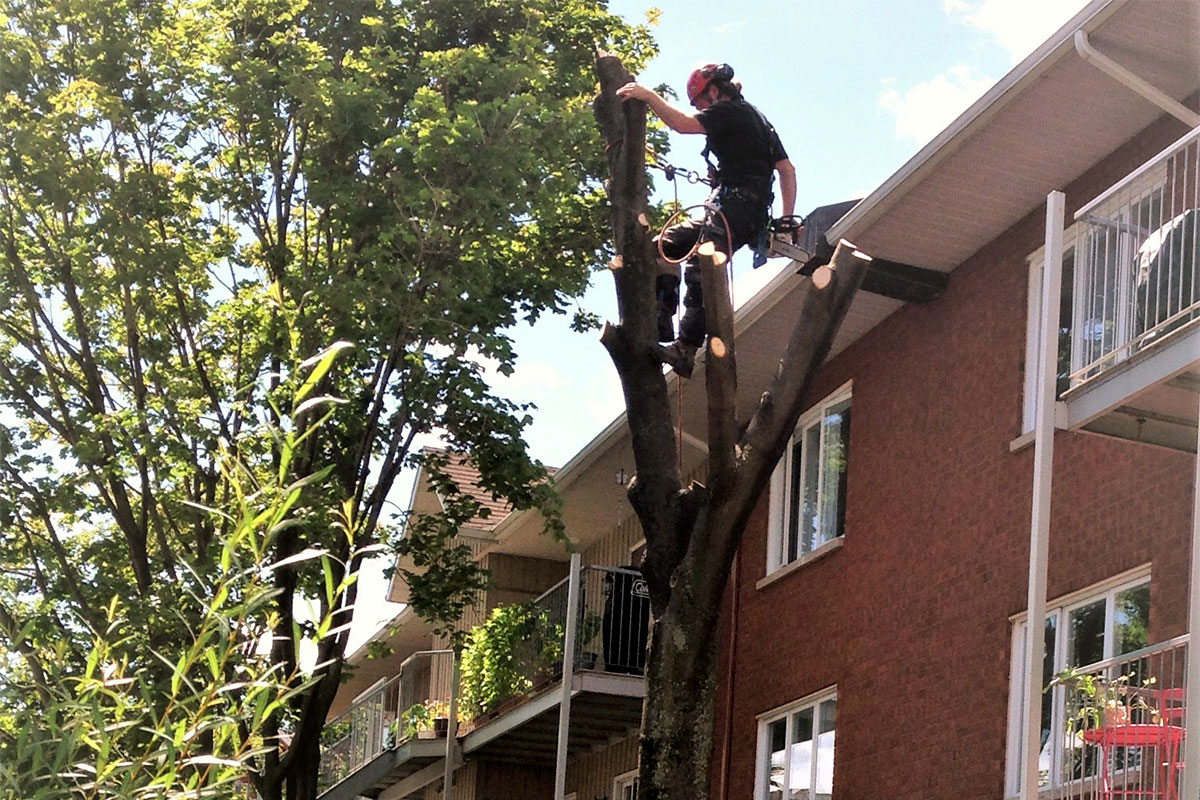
x: 409, y: 704
x: 612, y: 628
x: 1117, y: 727
x: 1136, y: 252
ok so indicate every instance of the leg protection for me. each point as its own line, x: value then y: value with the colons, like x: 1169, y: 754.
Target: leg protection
x: 666, y: 289
x: 691, y: 326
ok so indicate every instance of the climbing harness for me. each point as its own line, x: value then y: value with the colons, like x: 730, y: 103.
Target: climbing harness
x: 672, y: 174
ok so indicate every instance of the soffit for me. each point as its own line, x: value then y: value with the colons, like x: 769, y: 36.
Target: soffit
x: 1059, y: 118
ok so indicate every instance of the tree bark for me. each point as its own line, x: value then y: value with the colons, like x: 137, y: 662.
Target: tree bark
x: 693, y: 533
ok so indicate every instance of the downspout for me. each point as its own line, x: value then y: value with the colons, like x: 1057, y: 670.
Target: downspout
x: 1122, y: 75
x: 729, y: 672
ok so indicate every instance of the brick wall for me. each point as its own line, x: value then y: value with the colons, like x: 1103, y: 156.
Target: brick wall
x: 910, y: 618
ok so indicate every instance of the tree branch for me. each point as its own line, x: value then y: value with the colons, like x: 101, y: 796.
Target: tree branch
x: 826, y: 301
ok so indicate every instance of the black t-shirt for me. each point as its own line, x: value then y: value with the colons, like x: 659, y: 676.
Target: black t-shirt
x: 746, y: 146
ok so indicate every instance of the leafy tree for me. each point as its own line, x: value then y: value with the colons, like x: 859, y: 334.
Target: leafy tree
x: 195, y: 196
x: 693, y: 532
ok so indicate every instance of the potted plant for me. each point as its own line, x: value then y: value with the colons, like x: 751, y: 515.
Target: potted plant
x: 1097, y: 701
x: 416, y: 722
x: 494, y: 662
x: 439, y: 716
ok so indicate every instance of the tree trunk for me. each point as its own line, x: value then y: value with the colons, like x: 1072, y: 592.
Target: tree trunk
x: 693, y: 533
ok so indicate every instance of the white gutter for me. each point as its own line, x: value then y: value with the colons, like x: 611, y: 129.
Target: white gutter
x: 945, y: 144
x: 1124, y: 76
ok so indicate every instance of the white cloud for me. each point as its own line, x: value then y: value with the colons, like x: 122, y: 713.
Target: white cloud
x: 1017, y: 25
x: 604, y: 400
x: 729, y: 27
x: 923, y: 110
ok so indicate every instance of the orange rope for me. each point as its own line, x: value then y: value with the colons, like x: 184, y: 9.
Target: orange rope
x: 712, y: 211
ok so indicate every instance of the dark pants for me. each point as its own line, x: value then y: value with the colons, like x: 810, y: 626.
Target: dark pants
x: 746, y: 214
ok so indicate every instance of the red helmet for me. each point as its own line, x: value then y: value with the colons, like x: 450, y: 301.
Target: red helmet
x: 701, y: 77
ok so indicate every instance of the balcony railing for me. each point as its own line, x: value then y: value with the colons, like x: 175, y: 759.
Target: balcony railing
x: 1135, y: 277
x: 1117, y: 728
x: 405, y: 706
x: 524, y: 651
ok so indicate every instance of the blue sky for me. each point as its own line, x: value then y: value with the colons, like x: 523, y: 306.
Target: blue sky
x: 854, y: 88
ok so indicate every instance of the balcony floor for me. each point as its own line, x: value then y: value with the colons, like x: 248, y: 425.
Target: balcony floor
x: 412, y: 760
x: 1151, y: 397
x: 604, y: 708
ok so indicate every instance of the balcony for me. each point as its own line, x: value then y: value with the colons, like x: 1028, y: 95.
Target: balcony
x: 517, y: 707
x: 1116, y: 727
x: 1134, y: 331
x: 512, y: 691
x: 393, y: 732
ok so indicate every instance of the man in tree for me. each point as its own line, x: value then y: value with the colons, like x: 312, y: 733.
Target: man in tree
x: 748, y: 150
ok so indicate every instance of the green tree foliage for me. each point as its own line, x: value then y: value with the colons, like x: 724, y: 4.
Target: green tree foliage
x: 195, y: 196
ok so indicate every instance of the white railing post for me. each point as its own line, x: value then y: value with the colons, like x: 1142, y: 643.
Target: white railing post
x: 1043, y: 464
x: 1191, y: 717
x: 451, y: 728
x: 568, y: 668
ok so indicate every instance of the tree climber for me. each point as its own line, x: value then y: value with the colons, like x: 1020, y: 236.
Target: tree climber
x: 748, y: 151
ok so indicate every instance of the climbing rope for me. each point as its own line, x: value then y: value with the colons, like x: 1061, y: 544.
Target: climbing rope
x: 711, y: 211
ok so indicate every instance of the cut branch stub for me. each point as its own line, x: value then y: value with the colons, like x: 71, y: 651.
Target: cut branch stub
x: 708, y: 250
x: 822, y: 277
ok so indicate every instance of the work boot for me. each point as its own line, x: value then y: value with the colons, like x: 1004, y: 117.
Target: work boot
x: 679, y: 356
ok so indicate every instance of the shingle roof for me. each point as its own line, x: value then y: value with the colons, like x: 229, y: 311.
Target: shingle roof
x: 463, y: 473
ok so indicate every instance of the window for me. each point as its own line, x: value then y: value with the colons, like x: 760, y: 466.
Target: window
x: 1099, y: 623
x: 625, y: 787
x: 808, y: 488
x: 795, y: 750
x: 1066, y: 312
x: 1107, y: 298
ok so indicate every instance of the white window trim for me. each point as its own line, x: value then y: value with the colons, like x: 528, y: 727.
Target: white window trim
x: 623, y: 780
x: 1063, y: 605
x: 1033, y: 325
x: 764, y: 720
x: 779, y: 502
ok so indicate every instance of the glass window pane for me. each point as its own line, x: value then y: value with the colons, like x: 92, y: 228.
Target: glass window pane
x: 837, y: 446
x: 776, y: 745
x: 1050, y: 642
x: 810, y: 510
x: 792, y: 542
x: 825, y: 735
x: 1066, y: 312
x: 1131, y: 619
x: 1085, y: 634
x: 801, y: 755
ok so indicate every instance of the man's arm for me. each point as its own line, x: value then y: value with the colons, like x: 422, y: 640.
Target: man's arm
x: 787, y: 186
x: 674, y: 118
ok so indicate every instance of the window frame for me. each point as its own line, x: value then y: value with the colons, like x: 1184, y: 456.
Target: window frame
x: 781, y: 497
x: 787, y: 712
x: 624, y: 781
x: 1059, y: 608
